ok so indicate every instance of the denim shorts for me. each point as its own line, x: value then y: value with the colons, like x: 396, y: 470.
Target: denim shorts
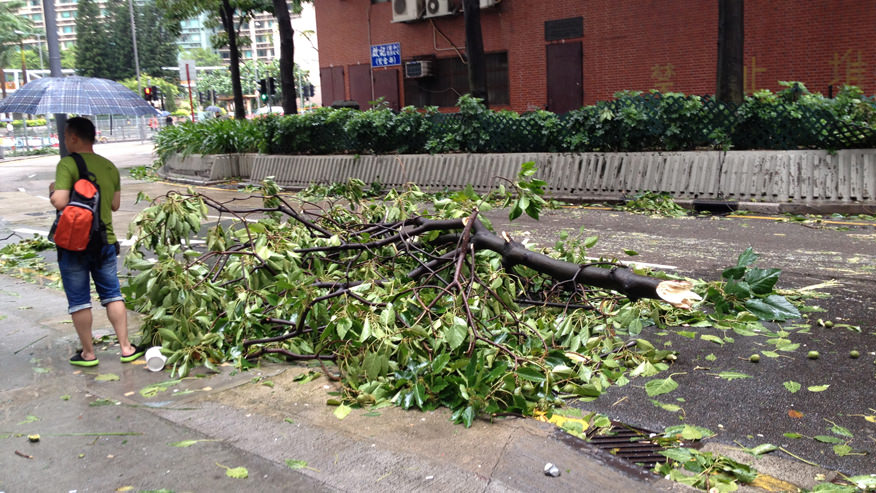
x: 77, y: 267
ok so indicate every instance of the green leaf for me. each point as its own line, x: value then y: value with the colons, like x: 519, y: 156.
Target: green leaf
x: 468, y: 416
x: 342, y: 411
x: 237, y: 472
x: 842, y: 450
x: 102, y: 402
x: 739, y: 289
x: 296, y: 464
x: 827, y: 439
x: 864, y: 481
x: 184, y: 443
x: 841, y: 431
x: 106, y: 377
x: 762, y: 281
x: 732, y: 375
x: 773, y: 307
x: 440, y: 362
x: 792, y: 386
x: 689, y: 432
x: 673, y: 408
x: 792, y: 436
x: 631, y: 253
x: 818, y: 388
x: 770, y: 354
x: 660, y: 386
x: 761, y: 449
x: 531, y: 373
x: 456, y: 333
x: 746, y: 258
x: 712, y: 338
x: 679, y: 454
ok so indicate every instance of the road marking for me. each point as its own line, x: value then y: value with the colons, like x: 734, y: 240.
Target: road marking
x: 28, y: 231
x: 637, y: 264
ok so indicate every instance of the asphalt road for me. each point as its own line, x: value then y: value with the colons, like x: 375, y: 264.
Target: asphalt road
x: 742, y: 412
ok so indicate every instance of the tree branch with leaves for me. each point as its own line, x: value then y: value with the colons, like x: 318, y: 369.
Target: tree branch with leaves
x: 409, y: 297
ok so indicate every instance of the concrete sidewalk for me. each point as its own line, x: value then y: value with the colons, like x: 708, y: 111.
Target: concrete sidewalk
x: 105, y: 435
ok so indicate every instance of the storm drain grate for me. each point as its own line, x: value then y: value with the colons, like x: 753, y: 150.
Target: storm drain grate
x: 630, y: 443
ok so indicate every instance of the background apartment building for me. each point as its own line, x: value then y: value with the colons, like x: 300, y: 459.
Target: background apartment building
x: 262, y: 31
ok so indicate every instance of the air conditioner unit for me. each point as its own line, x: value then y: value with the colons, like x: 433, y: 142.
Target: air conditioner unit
x: 438, y: 8
x: 417, y: 69
x: 407, y: 10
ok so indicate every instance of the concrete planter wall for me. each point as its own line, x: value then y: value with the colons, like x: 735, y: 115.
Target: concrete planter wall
x: 769, y: 176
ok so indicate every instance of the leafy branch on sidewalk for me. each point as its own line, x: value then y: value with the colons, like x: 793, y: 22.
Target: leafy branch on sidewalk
x: 412, y: 298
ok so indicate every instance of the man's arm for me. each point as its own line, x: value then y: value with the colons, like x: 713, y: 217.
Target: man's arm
x: 117, y: 200
x: 59, y: 198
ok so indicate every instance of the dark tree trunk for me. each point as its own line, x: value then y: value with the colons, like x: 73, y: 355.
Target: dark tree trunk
x: 287, y: 56
x: 226, y: 13
x: 474, y: 49
x: 3, y: 82
x: 731, y: 43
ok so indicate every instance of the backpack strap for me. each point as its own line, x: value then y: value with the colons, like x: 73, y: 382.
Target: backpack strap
x: 83, y: 168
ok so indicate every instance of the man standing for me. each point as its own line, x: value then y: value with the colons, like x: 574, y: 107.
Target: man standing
x: 100, y: 263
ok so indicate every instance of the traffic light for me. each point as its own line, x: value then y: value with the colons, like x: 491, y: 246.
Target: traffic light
x: 148, y: 95
x: 271, y: 86
x: 263, y: 90
x: 156, y: 93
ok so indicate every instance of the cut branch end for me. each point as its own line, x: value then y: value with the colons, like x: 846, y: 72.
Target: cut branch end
x: 678, y: 294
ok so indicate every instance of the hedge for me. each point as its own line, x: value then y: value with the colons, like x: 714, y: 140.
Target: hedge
x: 793, y: 118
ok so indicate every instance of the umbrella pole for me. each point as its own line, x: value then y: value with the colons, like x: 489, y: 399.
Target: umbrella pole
x: 26, y: 140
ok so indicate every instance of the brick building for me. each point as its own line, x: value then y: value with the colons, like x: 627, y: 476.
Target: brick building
x: 561, y: 54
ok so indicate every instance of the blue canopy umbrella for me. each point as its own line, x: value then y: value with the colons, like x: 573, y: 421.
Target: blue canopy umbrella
x: 77, y: 95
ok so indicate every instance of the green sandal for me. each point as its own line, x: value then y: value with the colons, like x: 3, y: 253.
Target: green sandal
x: 138, y: 351
x: 77, y: 360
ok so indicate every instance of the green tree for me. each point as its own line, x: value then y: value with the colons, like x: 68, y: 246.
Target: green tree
x: 156, y: 39
x: 120, y: 46
x: 31, y: 58
x: 68, y: 57
x: 92, y: 52
x: 10, y: 22
x: 169, y: 91
x: 203, y: 57
x: 232, y: 15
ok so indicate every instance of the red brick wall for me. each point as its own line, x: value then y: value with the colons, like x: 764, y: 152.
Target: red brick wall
x: 629, y: 44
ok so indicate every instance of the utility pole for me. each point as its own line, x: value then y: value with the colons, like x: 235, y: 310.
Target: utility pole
x: 136, y: 67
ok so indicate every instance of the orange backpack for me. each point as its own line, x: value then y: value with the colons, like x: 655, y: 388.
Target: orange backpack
x: 78, y: 226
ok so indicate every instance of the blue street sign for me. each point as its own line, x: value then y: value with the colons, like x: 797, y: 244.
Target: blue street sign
x: 386, y: 55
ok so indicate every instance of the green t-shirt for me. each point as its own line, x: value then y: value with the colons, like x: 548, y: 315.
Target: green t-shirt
x: 107, y: 179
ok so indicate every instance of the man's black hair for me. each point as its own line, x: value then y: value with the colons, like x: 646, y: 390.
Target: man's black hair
x: 82, y: 127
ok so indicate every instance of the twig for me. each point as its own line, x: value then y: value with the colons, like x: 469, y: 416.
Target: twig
x: 29, y: 344
x: 801, y: 459
x: 22, y: 454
